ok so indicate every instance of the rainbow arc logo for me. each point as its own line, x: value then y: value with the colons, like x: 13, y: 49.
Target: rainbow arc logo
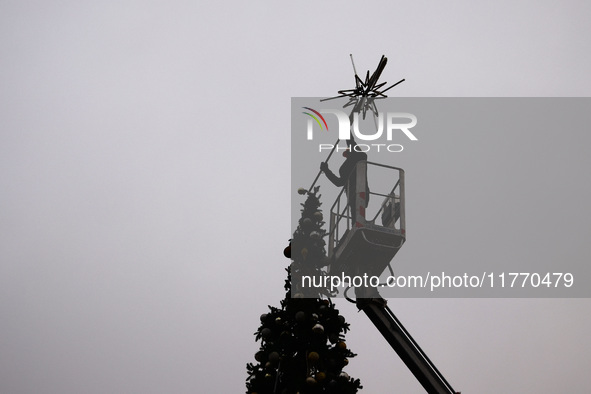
x: 315, y: 118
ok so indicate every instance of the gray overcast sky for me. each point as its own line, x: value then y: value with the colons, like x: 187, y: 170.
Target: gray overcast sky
x: 145, y: 186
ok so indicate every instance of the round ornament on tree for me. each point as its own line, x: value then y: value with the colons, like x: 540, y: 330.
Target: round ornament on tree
x: 315, y: 235
x: 318, y: 329
x: 266, y: 332
x: 307, y: 223
x: 274, y: 357
x: 313, y: 357
x: 300, y: 316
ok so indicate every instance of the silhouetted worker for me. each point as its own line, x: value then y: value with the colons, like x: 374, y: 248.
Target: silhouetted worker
x: 348, y: 176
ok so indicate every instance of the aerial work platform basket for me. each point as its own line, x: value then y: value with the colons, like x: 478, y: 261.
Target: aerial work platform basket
x: 367, y: 225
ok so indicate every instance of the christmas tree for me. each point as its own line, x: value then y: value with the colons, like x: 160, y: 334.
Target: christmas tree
x: 303, y: 347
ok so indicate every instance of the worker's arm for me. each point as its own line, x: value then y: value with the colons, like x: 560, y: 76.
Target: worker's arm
x: 330, y: 175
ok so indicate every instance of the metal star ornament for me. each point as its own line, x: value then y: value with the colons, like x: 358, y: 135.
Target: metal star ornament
x: 366, y: 91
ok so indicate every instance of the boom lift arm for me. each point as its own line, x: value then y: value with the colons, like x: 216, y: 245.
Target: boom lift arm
x: 407, y: 349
